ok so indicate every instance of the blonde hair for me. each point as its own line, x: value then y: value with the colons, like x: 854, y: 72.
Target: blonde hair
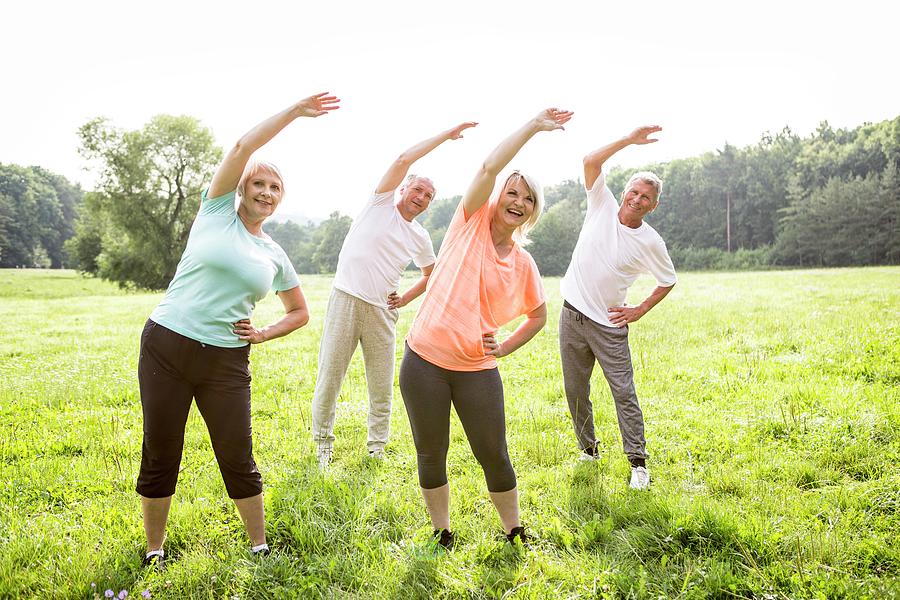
x: 255, y: 166
x: 520, y: 235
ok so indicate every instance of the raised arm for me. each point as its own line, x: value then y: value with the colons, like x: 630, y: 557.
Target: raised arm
x: 480, y: 188
x: 593, y: 162
x: 400, y: 167
x: 229, y: 172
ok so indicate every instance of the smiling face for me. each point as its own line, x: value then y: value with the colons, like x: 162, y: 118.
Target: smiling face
x: 415, y: 197
x: 515, y: 205
x: 261, y: 191
x: 638, y: 200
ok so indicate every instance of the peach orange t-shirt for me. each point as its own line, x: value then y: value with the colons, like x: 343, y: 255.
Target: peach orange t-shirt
x: 472, y: 291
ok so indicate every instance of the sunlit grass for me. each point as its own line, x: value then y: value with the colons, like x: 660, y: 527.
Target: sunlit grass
x: 773, y: 424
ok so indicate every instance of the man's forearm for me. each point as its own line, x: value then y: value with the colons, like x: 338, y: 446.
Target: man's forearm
x: 411, y: 155
x: 598, y: 157
x: 593, y: 162
x: 655, y: 298
x: 415, y: 290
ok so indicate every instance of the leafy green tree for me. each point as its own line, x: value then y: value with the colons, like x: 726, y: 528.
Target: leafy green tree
x: 333, y: 231
x: 147, y: 196
x: 60, y: 213
x: 767, y: 172
x: 437, y: 218
x: 685, y: 215
x: 298, y: 241
x: 845, y: 153
x: 85, y: 246
x: 570, y: 189
x: 886, y: 237
x: 7, y: 215
x: 37, y: 210
x: 19, y: 214
x: 853, y: 221
x: 554, y: 238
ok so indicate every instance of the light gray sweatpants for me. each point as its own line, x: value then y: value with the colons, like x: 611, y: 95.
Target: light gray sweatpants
x: 349, y: 322
x: 581, y: 342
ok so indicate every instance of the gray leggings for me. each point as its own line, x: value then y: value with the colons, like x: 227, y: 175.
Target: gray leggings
x: 428, y: 391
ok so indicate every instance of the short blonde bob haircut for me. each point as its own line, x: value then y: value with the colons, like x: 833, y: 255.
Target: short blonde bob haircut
x: 256, y: 166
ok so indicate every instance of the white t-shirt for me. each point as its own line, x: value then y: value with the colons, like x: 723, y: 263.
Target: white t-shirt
x: 377, y: 249
x: 609, y: 257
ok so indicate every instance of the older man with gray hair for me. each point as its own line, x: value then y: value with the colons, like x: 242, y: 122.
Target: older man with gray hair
x: 614, y: 247
x: 362, y: 309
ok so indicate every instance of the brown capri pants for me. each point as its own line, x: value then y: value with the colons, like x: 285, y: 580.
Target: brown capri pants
x: 173, y: 370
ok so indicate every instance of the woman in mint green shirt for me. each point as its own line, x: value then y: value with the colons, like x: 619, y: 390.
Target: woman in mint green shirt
x: 196, y: 343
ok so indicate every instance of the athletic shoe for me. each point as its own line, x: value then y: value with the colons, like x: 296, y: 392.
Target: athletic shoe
x: 517, y: 532
x: 323, y: 456
x: 585, y: 457
x: 154, y: 560
x: 444, y: 538
x: 376, y: 454
x: 640, y: 478
x: 261, y: 552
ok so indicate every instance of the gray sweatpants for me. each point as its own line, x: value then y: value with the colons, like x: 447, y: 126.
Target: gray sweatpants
x: 581, y: 342
x: 349, y: 322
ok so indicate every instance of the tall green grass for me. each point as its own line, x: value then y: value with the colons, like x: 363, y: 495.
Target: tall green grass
x: 773, y: 424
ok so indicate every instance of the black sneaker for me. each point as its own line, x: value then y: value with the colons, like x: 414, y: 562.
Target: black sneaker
x: 156, y: 561
x: 444, y: 538
x: 261, y: 552
x: 517, y: 532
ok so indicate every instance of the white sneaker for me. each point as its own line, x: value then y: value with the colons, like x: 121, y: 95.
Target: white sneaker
x: 640, y: 478
x: 323, y: 456
x: 585, y: 457
x: 376, y: 454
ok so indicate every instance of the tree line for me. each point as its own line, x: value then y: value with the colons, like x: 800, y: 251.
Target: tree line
x: 38, y: 211
x: 829, y: 199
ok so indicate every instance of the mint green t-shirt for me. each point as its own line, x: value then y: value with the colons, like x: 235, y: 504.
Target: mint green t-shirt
x: 222, y: 274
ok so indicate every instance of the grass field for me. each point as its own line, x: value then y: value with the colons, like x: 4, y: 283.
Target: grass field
x: 772, y: 403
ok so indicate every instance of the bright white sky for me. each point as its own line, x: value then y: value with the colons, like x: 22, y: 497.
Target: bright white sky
x: 707, y: 72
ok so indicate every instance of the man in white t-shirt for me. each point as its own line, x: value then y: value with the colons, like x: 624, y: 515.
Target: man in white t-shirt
x: 364, y: 303
x: 614, y: 247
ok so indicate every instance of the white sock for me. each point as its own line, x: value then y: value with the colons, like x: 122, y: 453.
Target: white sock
x: 160, y: 553
x: 259, y: 548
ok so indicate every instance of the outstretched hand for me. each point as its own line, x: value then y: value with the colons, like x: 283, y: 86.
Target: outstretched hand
x: 456, y: 132
x: 641, y: 134
x: 553, y: 118
x: 318, y: 105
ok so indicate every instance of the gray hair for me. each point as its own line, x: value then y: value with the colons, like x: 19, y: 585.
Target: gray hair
x: 647, y: 177
x: 411, y: 179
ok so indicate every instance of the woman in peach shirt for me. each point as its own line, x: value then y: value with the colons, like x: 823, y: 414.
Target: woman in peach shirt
x: 482, y: 279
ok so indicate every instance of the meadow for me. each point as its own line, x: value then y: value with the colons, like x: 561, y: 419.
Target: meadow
x: 772, y: 402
